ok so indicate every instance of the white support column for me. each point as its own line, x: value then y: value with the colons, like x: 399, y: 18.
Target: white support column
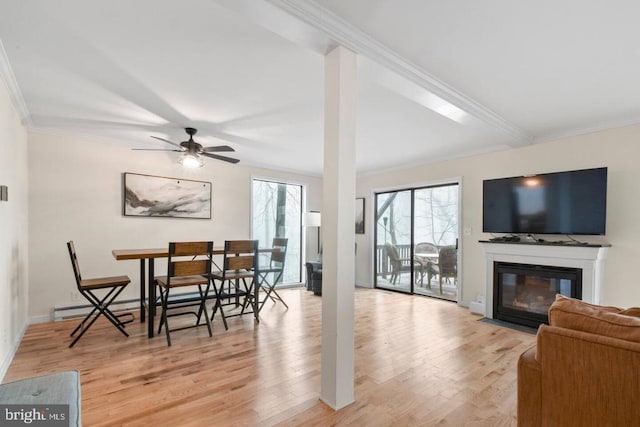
x: 338, y: 233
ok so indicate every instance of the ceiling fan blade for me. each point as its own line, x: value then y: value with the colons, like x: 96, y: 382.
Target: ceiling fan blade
x: 218, y: 148
x: 168, y: 142
x: 156, y: 149
x: 223, y: 158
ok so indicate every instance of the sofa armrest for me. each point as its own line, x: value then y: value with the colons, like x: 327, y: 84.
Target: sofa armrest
x: 529, y: 389
x: 588, y: 379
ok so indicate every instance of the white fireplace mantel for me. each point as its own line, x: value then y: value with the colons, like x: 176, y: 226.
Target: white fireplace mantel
x: 589, y: 258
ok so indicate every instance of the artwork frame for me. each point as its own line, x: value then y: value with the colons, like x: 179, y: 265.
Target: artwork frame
x: 165, y: 197
x: 359, y: 215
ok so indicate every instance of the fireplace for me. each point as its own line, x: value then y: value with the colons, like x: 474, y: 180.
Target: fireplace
x: 523, y: 292
x: 587, y: 258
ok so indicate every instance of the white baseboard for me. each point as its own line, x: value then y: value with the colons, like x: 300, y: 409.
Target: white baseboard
x: 14, y: 348
x: 39, y: 319
x: 364, y: 285
x: 291, y: 285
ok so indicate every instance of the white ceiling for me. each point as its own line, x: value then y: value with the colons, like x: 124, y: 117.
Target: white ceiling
x: 437, y: 80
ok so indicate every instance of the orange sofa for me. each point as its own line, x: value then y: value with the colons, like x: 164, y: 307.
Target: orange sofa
x: 584, y: 369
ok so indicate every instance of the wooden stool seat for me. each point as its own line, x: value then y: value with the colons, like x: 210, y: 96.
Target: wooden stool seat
x: 105, y: 282
x: 182, y: 281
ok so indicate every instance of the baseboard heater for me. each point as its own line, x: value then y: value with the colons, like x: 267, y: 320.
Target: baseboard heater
x: 69, y: 312
x: 62, y: 313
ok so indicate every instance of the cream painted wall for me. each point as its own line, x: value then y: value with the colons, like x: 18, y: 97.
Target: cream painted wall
x: 13, y: 231
x: 618, y: 149
x: 76, y: 194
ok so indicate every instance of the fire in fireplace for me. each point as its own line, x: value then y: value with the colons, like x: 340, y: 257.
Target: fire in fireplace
x: 523, y: 293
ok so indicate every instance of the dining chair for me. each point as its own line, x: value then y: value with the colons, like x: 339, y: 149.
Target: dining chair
x: 400, y: 265
x: 188, y: 268
x: 274, y: 269
x: 237, y: 278
x: 447, y: 264
x: 110, y: 287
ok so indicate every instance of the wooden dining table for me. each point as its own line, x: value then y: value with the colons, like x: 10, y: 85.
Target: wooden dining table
x: 147, y: 277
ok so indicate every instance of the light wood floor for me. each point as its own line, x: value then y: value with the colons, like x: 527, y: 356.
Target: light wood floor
x: 418, y: 362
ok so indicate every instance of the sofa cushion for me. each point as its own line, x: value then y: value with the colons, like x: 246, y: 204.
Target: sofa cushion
x: 595, y: 319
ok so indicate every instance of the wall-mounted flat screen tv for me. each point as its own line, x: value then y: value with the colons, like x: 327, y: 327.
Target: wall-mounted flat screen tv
x: 572, y: 202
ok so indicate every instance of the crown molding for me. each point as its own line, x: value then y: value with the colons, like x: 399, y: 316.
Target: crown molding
x: 374, y: 171
x: 6, y: 73
x: 345, y: 34
x: 599, y: 127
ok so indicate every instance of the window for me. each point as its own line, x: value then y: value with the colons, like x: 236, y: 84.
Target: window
x: 277, y: 212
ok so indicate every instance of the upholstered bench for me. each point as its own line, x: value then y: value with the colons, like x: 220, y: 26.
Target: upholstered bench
x: 62, y: 388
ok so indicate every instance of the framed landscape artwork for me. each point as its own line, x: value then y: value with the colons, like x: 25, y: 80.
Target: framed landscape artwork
x: 360, y: 216
x: 158, y: 196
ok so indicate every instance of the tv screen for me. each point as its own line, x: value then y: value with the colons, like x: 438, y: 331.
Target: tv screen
x: 572, y: 202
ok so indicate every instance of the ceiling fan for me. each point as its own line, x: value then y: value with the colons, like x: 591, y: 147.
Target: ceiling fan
x: 192, y: 150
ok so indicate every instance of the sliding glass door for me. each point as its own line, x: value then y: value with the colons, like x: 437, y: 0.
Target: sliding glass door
x: 277, y: 212
x: 435, y: 232
x: 394, y: 221
x: 416, y: 241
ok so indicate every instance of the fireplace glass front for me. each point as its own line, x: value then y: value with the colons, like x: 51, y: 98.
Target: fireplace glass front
x: 523, y: 292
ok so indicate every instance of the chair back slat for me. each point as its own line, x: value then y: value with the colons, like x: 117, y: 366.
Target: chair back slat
x: 240, y: 246
x: 189, y: 259
x: 240, y: 262
x: 189, y: 268
x: 427, y: 248
x: 74, y: 262
x: 240, y: 254
x: 280, y: 242
x: 189, y: 248
x: 278, y: 256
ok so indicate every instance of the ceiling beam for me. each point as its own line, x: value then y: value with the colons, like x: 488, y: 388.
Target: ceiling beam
x: 308, y: 24
x: 342, y: 33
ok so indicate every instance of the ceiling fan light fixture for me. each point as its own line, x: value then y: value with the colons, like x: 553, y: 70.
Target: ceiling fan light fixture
x: 192, y: 152
x: 191, y: 161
